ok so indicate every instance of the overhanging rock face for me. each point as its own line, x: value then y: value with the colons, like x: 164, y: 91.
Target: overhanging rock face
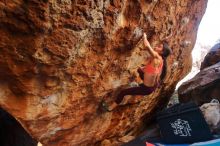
x: 59, y: 58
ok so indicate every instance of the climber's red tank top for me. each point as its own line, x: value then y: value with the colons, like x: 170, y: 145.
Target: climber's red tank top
x: 151, y: 69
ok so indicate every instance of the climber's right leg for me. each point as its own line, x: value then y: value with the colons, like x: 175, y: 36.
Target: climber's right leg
x: 140, y: 90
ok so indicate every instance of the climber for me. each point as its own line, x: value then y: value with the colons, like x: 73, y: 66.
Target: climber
x: 151, y: 74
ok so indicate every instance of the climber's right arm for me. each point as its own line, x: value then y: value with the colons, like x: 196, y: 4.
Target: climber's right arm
x: 148, y: 47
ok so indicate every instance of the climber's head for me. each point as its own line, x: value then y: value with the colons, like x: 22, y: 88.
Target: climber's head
x: 163, y: 49
x: 159, y: 49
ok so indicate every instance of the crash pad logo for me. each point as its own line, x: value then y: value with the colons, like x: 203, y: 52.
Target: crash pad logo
x: 181, y: 128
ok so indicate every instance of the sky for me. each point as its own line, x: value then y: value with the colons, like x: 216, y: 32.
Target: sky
x: 208, y: 34
x: 209, y: 28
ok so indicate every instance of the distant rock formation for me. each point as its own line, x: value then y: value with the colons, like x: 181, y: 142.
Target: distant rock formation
x: 206, y: 84
x: 212, y: 57
x: 59, y: 58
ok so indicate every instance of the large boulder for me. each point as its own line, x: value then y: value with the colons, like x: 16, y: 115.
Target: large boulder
x: 203, y: 87
x: 58, y: 58
x: 212, y: 57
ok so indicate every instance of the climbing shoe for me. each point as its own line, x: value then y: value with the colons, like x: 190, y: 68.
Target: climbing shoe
x: 105, y: 106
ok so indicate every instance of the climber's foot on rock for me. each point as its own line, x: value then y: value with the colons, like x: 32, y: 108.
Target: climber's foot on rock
x: 107, y: 107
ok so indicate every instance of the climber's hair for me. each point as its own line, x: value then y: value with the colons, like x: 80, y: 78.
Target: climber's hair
x: 166, y: 52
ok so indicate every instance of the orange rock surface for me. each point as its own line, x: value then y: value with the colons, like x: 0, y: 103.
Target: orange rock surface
x: 58, y: 58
